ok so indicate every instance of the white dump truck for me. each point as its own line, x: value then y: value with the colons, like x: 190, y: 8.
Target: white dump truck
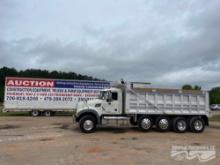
x: 165, y: 109
x: 47, y: 96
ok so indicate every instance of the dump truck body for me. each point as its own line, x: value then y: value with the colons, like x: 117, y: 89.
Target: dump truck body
x: 167, y: 101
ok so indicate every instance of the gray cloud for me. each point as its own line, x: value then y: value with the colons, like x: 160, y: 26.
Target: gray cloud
x: 166, y: 45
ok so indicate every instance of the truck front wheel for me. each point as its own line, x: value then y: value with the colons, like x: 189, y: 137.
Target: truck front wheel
x: 87, y: 124
x: 145, y: 123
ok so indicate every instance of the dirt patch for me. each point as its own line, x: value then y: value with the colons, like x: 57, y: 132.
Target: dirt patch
x: 46, y: 139
x: 7, y: 126
x: 41, y: 145
x: 134, y: 138
x: 57, y: 123
x: 12, y: 135
x: 119, y: 131
x: 195, y: 144
x: 96, y: 150
x: 215, y: 126
x: 64, y: 126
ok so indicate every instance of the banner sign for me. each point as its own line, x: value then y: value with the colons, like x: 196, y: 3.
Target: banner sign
x: 49, y: 93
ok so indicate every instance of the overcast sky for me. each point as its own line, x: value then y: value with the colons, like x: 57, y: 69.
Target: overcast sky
x: 165, y: 42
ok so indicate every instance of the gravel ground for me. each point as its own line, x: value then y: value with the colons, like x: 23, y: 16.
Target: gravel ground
x: 57, y: 141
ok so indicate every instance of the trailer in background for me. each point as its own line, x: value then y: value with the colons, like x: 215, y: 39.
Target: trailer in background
x: 47, y: 96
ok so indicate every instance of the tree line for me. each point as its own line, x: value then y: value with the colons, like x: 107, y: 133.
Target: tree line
x: 37, y: 73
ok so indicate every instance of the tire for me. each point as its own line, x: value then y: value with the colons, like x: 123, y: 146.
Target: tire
x: 87, y: 124
x: 145, y: 123
x: 180, y: 124
x: 48, y: 113
x: 163, y: 123
x: 35, y: 113
x: 196, y: 124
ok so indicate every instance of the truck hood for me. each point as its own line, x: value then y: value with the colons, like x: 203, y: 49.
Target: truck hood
x: 88, y: 105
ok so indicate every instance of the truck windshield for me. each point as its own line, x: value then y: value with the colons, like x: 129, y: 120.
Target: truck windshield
x: 103, y: 95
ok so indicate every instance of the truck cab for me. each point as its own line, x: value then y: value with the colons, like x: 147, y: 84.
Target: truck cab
x: 107, y: 106
x: 109, y: 102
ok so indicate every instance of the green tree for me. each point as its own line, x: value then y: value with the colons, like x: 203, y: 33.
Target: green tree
x: 4, y: 71
x: 187, y: 87
x: 196, y: 87
x: 190, y: 87
x: 1, y: 93
x: 214, y: 95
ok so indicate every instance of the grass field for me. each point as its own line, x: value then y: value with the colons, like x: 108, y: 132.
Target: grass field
x: 14, y: 114
x: 215, y: 118
x: 27, y: 114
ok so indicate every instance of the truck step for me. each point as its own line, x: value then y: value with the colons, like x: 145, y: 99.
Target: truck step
x: 115, y: 120
x: 116, y: 117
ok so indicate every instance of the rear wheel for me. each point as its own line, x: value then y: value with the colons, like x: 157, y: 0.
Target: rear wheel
x: 87, y: 124
x: 163, y: 123
x: 145, y: 123
x: 196, y: 124
x: 35, y: 113
x: 47, y: 113
x: 179, y: 124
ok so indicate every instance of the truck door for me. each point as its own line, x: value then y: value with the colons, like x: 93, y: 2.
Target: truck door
x: 111, y: 106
